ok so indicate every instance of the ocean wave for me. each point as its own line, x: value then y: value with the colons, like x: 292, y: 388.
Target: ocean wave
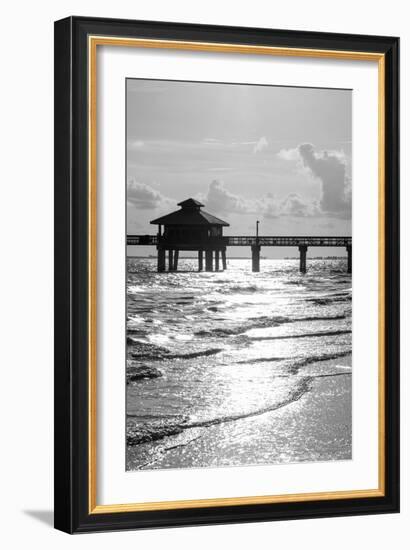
x: 145, y: 351
x: 240, y: 289
x: 194, y: 354
x: 259, y: 360
x: 264, y: 322
x: 135, y: 333
x: 333, y: 298
x: 136, y: 372
x: 261, y: 322
x: 138, y: 432
x: 320, y: 318
x: 303, y: 335
x: 331, y: 374
x: 296, y: 363
x: 142, y: 350
x: 303, y: 362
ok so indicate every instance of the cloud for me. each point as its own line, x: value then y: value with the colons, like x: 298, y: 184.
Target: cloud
x: 329, y: 167
x: 260, y: 145
x: 220, y: 200
x: 143, y: 196
x: 289, y: 154
x: 298, y: 206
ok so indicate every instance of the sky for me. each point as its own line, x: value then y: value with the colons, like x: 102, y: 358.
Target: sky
x: 280, y: 155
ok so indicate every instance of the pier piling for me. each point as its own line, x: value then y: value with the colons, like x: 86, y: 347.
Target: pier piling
x: 302, y: 252
x: 349, y: 258
x: 170, y: 260
x: 256, y: 257
x: 208, y: 260
x: 175, y: 263
x: 200, y: 260
x: 216, y: 260
x: 161, y: 260
x: 224, y: 259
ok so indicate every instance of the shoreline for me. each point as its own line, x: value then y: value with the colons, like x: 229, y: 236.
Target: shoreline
x: 314, y: 428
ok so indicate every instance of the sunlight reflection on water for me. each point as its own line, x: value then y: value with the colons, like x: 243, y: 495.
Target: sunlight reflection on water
x: 231, y: 346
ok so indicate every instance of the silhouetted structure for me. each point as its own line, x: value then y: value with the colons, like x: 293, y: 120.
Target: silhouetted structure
x: 190, y: 228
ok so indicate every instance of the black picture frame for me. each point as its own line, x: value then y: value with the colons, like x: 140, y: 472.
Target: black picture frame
x: 71, y: 492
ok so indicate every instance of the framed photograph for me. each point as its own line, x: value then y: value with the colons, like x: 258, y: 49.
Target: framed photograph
x: 226, y: 274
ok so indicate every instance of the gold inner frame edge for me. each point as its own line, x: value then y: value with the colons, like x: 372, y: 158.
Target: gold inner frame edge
x: 93, y: 42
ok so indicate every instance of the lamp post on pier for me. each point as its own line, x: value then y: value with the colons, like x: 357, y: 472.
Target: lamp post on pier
x: 256, y: 251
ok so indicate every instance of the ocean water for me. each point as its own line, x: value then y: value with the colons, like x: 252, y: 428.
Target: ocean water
x: 237, y: 368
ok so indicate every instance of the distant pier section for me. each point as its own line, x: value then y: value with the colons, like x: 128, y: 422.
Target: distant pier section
x: 192, y: 229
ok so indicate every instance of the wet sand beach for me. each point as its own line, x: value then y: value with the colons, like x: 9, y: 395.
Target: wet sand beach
x: 316, y: 427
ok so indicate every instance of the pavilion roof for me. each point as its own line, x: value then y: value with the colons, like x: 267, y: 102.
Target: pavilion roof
x: 190, y: 203
x: 190, y: 213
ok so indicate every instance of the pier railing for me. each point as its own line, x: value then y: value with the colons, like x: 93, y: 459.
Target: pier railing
x: 287, y: 241
x: 142, y: 239
x: 240, y: 240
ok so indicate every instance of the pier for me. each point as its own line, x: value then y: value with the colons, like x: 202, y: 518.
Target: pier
x: 192, y: 229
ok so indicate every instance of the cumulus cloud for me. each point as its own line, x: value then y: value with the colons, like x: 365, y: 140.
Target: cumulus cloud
x: 220, y: 200
x: 298, y: 206
x: 331, y: 170
x: 143, y: 196
x: 260, y: 145
x: 289, y: 154
x: 329, y: 167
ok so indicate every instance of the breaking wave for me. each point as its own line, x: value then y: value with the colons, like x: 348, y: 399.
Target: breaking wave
x: 264, y: 322
x: 303, y: 335
x: 140, y: 433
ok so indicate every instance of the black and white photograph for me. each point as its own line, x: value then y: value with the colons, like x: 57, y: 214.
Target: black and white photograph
x: 239, y: 290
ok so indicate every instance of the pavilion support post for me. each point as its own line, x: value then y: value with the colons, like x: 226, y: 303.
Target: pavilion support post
x: 224, y: 259
x: 160, y: 260
x: 208, y: 260
x: 200, y: 260
x: 256, y: 257
x: 302, y: 251
x: 170, y: 259
x: 349, y: 259
x: 216, y: 260
x: 175, y: 262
